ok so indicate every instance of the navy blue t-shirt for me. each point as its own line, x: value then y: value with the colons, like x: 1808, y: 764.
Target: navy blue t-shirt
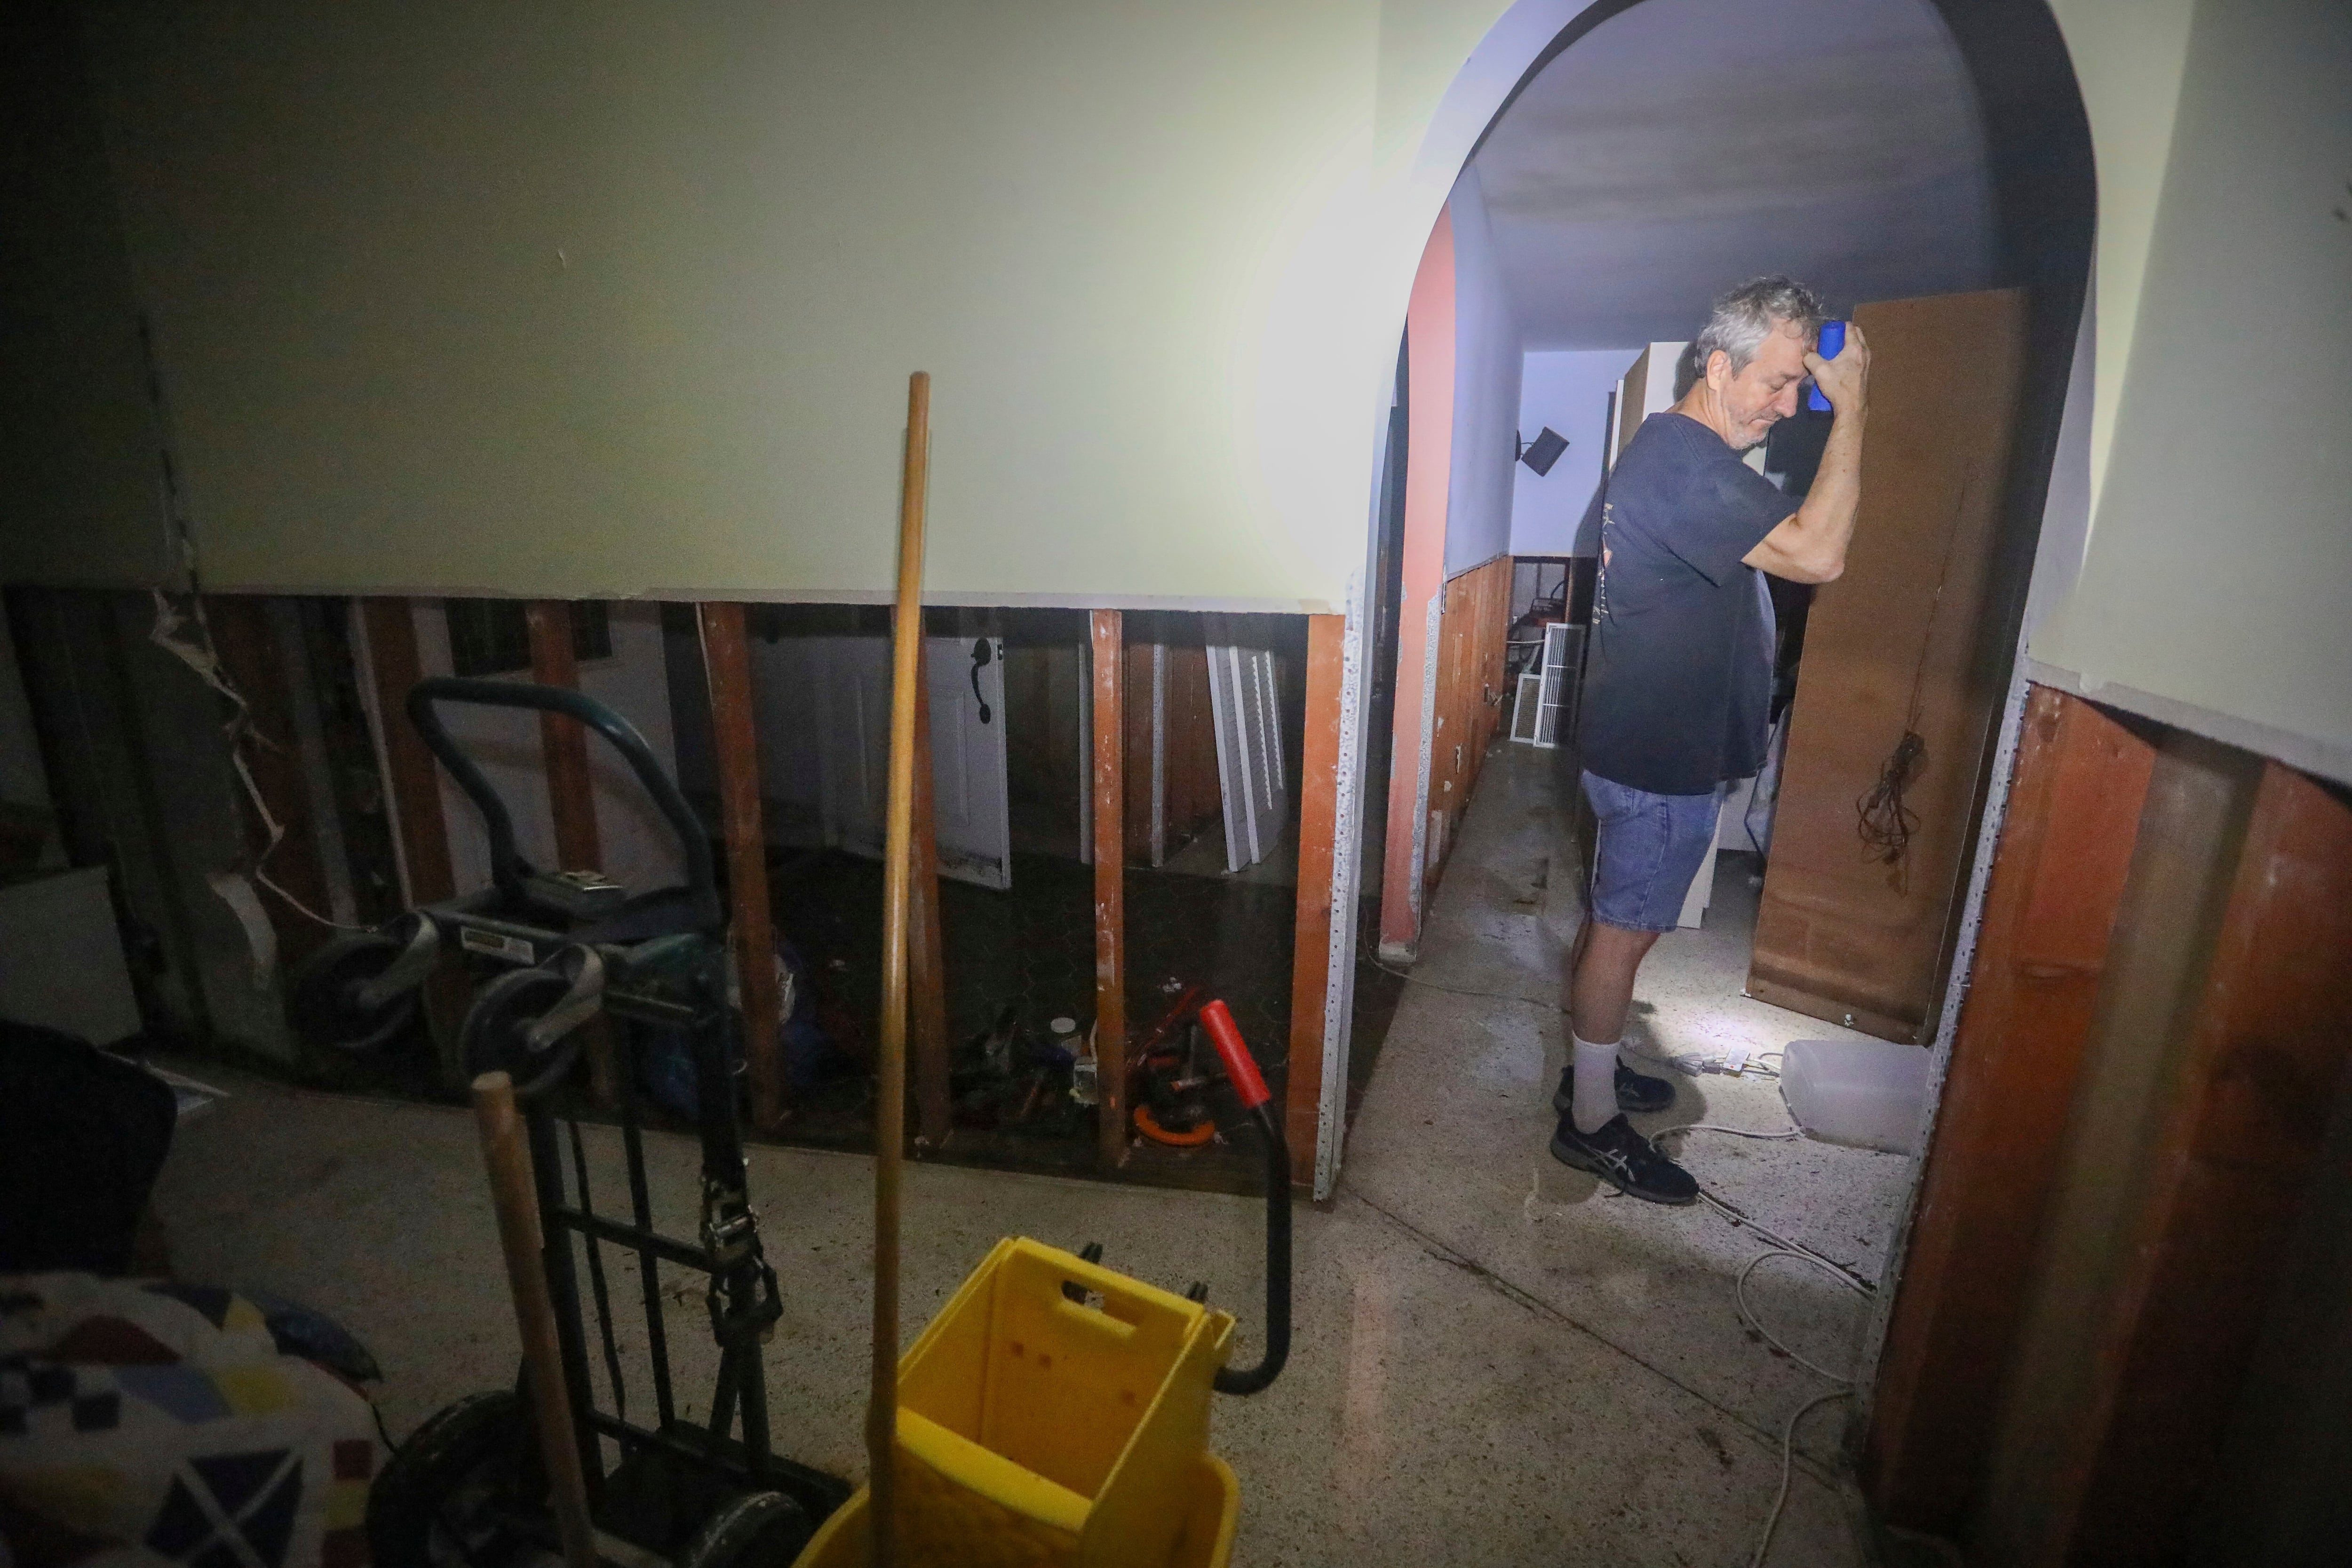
x: 1678, y: 684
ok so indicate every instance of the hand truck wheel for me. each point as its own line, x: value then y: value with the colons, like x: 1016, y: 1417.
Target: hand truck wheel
x: 755, y: 1530
x: 492, y: 1038
x: 448, y: 1498
x: 324, y: 1004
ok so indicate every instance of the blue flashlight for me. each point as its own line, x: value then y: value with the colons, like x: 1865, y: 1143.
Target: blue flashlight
x: 1832, y: 345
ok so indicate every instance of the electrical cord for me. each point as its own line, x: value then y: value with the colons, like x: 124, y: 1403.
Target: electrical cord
x: 1783, y: 1247
x: 1661, y: 1135
x: 1693, y: 1065
x: 381, y: 1430
x: 1788, y: 1451
x: 1748, y: 1313
x: 1739, y: 1218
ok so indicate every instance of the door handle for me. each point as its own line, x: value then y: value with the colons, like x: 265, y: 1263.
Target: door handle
x: 981, y: 656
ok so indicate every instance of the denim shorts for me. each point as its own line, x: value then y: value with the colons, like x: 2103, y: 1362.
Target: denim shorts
x: 1648, y: 849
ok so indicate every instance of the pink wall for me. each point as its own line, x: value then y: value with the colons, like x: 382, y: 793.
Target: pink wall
x: 1429, y: 350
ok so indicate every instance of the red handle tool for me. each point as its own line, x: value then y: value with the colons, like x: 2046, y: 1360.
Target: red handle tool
x: 1249, y: 1084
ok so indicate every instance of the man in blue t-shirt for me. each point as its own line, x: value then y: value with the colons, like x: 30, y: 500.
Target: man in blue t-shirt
x: 1679, y: 675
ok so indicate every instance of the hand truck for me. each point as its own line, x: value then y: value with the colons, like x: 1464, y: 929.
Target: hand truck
x: 466, y: 1489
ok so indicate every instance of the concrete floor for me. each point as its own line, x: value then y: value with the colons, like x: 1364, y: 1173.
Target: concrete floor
x: 1494, y: 1363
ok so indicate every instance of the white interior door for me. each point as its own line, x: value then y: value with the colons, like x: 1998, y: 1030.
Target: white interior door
x: 971, y: 810
x: 1246, y: 709
x: 966, y: 682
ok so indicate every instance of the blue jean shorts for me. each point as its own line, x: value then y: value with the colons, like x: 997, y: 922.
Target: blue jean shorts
x: 1647, y: 851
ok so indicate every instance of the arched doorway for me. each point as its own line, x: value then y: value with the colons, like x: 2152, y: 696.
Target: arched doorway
x: 1880, y: 148
x: 1996, y: 79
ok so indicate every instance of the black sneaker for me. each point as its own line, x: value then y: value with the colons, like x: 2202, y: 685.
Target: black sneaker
x: 1626, y: 1160
x: 1636, y: 1091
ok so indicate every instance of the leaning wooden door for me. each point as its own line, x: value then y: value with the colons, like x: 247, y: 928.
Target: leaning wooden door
x: 1893, y: 703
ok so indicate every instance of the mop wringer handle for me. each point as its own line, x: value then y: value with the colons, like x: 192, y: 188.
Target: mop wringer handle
x: 1249, y: 1088
x: 1249, y: 1084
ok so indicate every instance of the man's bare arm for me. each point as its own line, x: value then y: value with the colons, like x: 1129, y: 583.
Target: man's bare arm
x: 1810, y: 546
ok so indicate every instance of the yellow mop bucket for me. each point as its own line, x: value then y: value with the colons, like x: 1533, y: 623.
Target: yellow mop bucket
x: 1057, y: 1412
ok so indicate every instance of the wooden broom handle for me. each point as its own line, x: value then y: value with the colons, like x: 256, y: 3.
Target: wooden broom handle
x: 890, y: 1067
x: 513, y: 1195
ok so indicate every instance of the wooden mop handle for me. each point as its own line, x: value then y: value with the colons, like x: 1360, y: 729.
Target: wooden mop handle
x: 890, y: 1098
x: 507, y: 1159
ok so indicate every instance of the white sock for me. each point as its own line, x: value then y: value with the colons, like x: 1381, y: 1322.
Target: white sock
x: 1595, y: 1092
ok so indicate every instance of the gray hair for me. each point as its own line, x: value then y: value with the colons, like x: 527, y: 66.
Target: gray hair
x: 1744, y: 318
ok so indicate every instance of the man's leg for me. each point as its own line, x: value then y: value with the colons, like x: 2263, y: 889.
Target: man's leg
x: 1603, y: 984
x: 1648, y: 848
x: 1606, y: 961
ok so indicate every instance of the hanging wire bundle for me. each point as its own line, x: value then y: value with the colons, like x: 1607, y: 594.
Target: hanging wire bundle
x: 1882, y: 819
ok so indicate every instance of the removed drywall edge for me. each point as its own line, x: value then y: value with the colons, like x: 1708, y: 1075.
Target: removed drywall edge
x: 931, y: 596
x: 1346, y: 863
x: 2326, y: 758
x: 1498, y: 555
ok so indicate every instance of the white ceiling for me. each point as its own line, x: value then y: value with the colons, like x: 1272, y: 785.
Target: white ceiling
x: 1688, y: 145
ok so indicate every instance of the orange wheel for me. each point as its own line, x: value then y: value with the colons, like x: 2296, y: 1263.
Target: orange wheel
x: 1158, y: 1134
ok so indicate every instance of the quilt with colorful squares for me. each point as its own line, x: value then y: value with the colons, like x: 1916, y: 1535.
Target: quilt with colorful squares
x: 149, y: 1422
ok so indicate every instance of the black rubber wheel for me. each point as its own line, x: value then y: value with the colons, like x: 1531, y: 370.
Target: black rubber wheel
x: 323, y: 1005
x: 754, y: 1530
x: 492, y: 1035
x: 448, y: 1497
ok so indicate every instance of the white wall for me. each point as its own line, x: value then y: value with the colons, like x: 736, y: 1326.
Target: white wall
x: 2213, y: 592
x: 621, y: 300
x: 640, y: 851
x: 1568, y: 391
x: 1487, y: 365
x: 2128, y: 57
x: 459, y: 297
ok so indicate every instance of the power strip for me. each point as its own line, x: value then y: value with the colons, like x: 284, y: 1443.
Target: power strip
x: 1736, y: 1062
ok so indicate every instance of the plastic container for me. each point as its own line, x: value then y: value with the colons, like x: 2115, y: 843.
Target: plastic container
x: 1866, y: 1094
x: 1828, y: 346
x: 1212, y: 1512
x: 1036, y: 1428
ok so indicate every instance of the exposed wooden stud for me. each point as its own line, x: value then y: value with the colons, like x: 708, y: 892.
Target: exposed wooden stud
x: 572, y: 798
x: 564, y: 743
x: 1156, y: 819
x: 2235, y: 1157
x: 1311, y: 965
x: 422, y: 832
x: 2189, y: 844
x: 415, y: 785
x: 2057, y: 880
x: 927, y: 994
x: 735, y: 743
x: 248, y: 653
x: 1146, y: 781
x: 1109, y: 825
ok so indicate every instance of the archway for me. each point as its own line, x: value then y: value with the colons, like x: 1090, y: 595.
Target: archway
x: 2002, y: 70
x: 2030, y: 161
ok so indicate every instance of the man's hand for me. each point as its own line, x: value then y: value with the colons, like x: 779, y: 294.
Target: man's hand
x: 1810, y: 546
x: 1845, y: 380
